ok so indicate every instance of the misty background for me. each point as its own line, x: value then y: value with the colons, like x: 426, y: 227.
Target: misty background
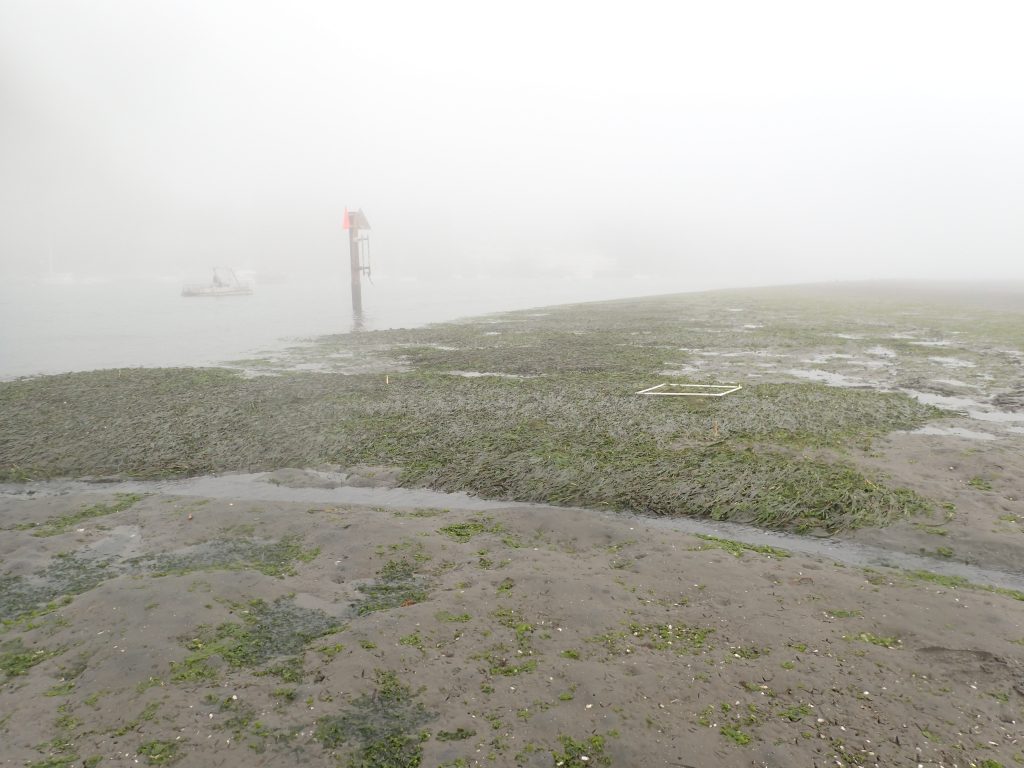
x: 528, y: 152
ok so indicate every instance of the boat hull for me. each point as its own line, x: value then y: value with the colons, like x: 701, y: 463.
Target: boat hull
x: 212, y: 290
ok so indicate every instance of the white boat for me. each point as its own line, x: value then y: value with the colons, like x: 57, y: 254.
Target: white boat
x: 56, y: 278
x: 225, y: 283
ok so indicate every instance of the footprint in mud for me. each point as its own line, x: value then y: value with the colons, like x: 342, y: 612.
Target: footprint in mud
x: 968, y: 664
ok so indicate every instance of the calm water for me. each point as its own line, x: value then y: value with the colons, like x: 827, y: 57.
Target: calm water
x: 130, y: 322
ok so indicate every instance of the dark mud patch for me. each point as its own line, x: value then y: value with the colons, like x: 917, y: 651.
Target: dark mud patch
x: 17, y: 659
x: 380, y: 728
x: 397, y: 585
x: 65, y: 576
x: 73, y: 573
x: 58, y: 525
x: 267, y: 631
x: 273, y: 558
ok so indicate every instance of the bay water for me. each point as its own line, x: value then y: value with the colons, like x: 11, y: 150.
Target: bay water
x: 54, y: 324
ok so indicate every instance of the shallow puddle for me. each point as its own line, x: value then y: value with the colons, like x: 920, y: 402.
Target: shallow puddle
x: 953, y: 431
x: 971, y: 407
x: 478, y: 374
x: 824, y: 358
x: 952, y: 362
x: 686, y: 370
x: 255, y: 487
x: 1003, y: 417
x: 827, y: 377
x: 881, y: 352
x: 843, y: 551
x: 956, y: 383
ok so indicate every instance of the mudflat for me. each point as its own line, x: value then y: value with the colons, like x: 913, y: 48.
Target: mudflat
x: 151, y: 626
x: 234, y: 632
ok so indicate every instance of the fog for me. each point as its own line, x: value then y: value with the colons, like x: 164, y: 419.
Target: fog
x: 694, y: 145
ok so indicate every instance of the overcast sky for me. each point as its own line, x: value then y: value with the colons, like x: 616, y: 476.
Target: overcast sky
x: 711, y: 143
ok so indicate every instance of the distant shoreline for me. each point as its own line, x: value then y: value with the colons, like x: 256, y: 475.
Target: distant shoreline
x: 996, y: 296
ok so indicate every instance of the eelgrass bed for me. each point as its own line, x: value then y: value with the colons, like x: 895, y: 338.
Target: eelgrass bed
x: 549, y: 414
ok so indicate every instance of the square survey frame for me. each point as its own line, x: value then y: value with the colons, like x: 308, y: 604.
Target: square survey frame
x: 703, y: 390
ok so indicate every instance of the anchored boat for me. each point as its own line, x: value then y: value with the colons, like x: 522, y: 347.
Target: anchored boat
x: 225, y: 283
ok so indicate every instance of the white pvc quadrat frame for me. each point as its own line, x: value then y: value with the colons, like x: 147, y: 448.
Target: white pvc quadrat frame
x: 709, y: 390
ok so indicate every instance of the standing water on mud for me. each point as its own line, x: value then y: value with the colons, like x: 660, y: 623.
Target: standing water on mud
x: 318, y: 487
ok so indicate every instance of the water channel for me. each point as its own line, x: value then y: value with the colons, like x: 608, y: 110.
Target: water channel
x: 331, y: 490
